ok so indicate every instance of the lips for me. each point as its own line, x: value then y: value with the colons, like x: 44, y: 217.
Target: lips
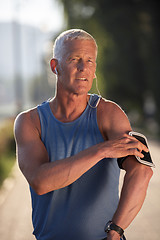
x: 81, y: 79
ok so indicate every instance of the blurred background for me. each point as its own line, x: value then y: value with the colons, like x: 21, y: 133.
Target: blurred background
x: 128, y: 71
x: 128, y: 36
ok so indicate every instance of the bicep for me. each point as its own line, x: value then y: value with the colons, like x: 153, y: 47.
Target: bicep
x: 31, y: 152
x: 115, y: 121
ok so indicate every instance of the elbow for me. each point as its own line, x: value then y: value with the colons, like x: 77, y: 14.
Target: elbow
x: 38, y: 186
x: 140, y: 174
x: 148, y: 173
x: 143, y: 177
x: 144, y: 173
x: 138, y: 170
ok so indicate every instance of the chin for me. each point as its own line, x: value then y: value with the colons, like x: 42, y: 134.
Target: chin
x: 82, y: 91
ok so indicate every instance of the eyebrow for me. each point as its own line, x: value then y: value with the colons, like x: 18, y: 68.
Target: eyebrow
x: 71, y: 56
x: 77, y: 56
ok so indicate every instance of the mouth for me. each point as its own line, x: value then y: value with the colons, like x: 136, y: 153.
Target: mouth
x: 82, y: 79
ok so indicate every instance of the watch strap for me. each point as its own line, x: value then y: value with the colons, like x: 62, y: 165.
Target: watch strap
x: 112, y: 226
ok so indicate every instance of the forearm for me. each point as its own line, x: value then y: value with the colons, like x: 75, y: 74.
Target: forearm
x: 132, y: 195
x: 45, y: 176
x: 61, y: 173
x: 50, y: 176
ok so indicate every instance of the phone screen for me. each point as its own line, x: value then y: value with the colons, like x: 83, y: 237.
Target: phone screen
x: 147, y: 156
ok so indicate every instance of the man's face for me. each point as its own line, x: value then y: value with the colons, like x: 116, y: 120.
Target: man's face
x: 78, y: 66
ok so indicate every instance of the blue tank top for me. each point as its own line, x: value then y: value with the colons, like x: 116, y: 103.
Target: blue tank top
x: 80, y: 210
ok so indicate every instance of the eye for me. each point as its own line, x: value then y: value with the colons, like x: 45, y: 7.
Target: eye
x: 73, y: 59
x: 90, y: 61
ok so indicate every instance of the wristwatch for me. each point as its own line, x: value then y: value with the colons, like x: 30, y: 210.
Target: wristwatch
x: 112, y: 226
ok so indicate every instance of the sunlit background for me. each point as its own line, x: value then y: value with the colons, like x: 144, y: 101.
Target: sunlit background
x: 128, y: 72
x: 27, y: 30
x: 128, y: 62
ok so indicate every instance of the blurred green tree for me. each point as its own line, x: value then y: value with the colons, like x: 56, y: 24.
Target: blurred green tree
x: 7, y: 149
x: 127, y: 33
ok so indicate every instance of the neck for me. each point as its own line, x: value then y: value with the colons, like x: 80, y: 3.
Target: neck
x: 68, y: 107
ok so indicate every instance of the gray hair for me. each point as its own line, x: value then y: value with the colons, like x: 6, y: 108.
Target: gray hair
x: 71, y: 34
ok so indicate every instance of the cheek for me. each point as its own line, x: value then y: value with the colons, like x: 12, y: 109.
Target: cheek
x: 65, y: 71
x: 69, y: 69
x: 92, y: 72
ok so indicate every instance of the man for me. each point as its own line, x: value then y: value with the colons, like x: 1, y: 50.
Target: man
x: 68, y: 148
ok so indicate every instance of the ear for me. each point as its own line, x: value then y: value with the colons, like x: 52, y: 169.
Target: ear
x: 95, y: 76
x: 53, y: 64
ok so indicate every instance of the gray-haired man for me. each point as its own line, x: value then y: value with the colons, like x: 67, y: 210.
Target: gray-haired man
x: 68, y: 149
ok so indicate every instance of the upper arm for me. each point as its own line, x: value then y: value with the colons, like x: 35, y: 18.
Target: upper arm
x: 114, y: 123
x: 31, y: 152
x: 112, y: 120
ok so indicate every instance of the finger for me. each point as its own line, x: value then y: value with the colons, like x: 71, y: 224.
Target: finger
x: 135, y: 152
x: 141, y: 147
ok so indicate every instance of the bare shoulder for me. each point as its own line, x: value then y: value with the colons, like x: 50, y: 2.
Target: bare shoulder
x: 111, y: 110
x: 112, y: 120
x: 110, y: 105
x: 27, y: 124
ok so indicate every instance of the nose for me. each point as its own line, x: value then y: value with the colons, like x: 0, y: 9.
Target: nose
x: 81, y: 65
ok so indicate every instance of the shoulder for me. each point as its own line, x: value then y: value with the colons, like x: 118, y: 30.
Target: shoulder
x: 27, y: 123
x: 110, y: 110
x: 112, y: 120
x: 111, y: 106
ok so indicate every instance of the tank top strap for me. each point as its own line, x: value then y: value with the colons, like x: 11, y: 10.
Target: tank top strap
x: 94, y: 100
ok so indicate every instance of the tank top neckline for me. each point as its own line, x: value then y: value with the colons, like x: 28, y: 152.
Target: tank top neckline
x: 77, y: 119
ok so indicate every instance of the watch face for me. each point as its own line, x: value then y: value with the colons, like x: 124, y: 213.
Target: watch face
x: 107, y: 228
x: 108, y: 225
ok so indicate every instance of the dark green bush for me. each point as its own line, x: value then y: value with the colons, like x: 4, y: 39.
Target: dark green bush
x: 7, y: 149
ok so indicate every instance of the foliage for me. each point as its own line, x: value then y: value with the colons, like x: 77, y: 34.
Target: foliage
x: 7, y: 149
x: 127, y: 33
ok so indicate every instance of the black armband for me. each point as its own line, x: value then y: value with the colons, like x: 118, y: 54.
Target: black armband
x: 120, y: 161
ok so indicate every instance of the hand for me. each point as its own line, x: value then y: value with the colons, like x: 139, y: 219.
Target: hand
x: 127, y: 145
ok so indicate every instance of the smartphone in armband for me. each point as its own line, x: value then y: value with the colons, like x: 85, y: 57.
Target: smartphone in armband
x: 147, y: 160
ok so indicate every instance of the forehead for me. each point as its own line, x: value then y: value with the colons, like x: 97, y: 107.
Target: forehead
x: 80, y: 47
